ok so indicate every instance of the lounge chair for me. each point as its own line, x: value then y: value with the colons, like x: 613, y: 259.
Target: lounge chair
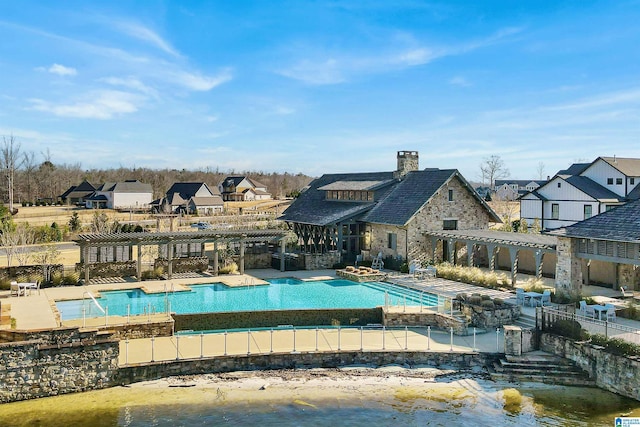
x: 16, y: 290
x: 626, y: 292
x: 413, y: 266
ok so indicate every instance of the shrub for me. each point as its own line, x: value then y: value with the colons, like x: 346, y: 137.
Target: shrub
x: 229, y: 269
x: 485, y: 297
x: 487, y: 305
x: 56, y: 278
x: 71, y: 279
x: 499, y: 302
x: 475, y: 300
x: 462, y: 297
x: 568, y: 328
x: 616, y: 346
x: 336, y: 266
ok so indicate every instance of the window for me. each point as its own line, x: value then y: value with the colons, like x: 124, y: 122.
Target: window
x: 392, y: 240
x: 559, y: 184
x: 609, y: 181
x: 618, y: 181
x: 450, y: 224
x: 588, y: 211
x: 555, y: 211
x: 632, y: 181
x: 451, y: 195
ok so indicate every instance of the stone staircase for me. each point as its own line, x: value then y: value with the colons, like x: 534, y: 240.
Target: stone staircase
x: 541, y: 367
x: 525, y: 321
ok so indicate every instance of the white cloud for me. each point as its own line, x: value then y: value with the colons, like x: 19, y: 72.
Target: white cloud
x: 131, y: 83
x: 60, y: 70
x: 322, y: 72
x: 199, y: 82
x: 417, y: 57
x: 96, y: 105
x: 145, y: 34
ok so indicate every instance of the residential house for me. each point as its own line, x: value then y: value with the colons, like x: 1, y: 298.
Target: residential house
x: 127, y: 195
x: 344, y: 215
x: 242, y: 189
x: 512, y: 189
x: 190, y: 197
x: 582, y: 191
x: 76, y: 194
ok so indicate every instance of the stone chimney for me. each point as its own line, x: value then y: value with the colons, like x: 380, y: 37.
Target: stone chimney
x: 407, y: 162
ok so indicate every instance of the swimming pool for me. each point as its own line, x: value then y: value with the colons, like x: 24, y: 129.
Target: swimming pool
x: 280, y: 294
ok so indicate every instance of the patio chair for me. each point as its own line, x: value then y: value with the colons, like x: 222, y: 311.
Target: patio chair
x: 519, y: 296
x: 546, y: 298
x: 611, y: 313
x: 16, y: 289
x: 413, y: 266
x: 586, y: 311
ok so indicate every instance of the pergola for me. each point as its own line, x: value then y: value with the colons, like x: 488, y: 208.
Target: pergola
x: 539, y: 244
x: 114, y: 245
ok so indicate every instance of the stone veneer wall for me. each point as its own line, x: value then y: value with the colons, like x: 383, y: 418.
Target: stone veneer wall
x: 613, y: 373
x: 156, y: 370
x: 568, y: 267
x: 321, y: 261
x: 470, y: 214
x: 260, y: 260
x: 273, y: 318
x: 56, y: 362
x: 518, y: 341
x: 424, y: 319
x: 490, y: 318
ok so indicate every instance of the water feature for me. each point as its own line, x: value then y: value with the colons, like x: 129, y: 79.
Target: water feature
x: 280, y: 294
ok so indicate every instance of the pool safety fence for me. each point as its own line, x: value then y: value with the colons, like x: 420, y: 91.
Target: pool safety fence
x: 191, y: 346
x: 549, y: 316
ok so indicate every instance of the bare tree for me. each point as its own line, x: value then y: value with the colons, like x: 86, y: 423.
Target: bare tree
x: 29, y: 167
x: 15, y: 240
x: 493, y: 168
x: 10, y: 158
x: 540, y: 171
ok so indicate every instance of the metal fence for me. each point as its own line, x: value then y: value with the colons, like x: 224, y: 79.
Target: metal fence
x: 549, y: 316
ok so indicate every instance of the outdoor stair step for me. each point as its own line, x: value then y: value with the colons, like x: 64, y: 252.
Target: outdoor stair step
x: 543, y: 368
x: 552, y: 370
x: 546, y: 379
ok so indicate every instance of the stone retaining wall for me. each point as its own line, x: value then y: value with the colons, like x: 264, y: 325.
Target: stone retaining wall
x: 321, y: 261
x: 52, y: 364
x: 505, y: 315
x: 267, y: 319
x: 613, y: 373
x: 156, y: 370
x: 426, y: 318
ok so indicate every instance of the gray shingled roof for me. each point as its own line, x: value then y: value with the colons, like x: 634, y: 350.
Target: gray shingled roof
x: 394, y: 204
x: 574, y: 169
x: 592, y: 188
x: 620, y: 224
x: 311, y: 207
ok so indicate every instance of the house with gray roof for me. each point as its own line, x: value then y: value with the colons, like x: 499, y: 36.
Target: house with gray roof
x: 344, y: 215
x: 511, y: 189
x: 190, y: 197
x: 582, y: 191
x: 242, y: 189
x: 126, y: 195
x: 76, y: 194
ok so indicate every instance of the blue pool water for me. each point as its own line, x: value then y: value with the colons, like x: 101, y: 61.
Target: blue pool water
x: 280, y: 294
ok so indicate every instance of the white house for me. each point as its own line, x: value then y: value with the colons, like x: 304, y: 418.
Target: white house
x: 511, y: 189
x: 127, y: 195
x: 242, y: 189
x: 582, y: 191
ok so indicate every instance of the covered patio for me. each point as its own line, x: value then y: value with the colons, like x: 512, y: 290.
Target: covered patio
x: 188, y: 246
x: 537, y: 244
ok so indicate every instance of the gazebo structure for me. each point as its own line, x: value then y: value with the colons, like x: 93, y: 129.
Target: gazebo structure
x: 539, y: 244
x: 117, y: 248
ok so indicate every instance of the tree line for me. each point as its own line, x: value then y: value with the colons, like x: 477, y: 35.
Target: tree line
x: 29, y: 177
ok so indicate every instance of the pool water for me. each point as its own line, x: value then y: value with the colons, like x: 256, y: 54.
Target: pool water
x: 280, y: 294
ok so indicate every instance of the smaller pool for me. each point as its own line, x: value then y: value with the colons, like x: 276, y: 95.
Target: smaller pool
x: 280, y: 294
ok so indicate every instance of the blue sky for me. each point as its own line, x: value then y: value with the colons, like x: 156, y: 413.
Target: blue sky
x: 321, y: 86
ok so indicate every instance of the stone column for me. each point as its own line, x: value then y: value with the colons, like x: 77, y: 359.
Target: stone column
x: 626, y: 276
x: 283, y: 244
x: 491, y: 253
x: 241, y: 256
x: 169, y: 259
x: 451, y: 245
x: 470, y: 246
x: 86, y: 264
x: 568, y: 267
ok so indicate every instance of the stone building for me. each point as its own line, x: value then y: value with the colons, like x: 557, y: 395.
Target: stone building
x: 609, y: 242
x: 342, y: 216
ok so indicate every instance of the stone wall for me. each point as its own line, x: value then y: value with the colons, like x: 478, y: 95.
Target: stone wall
x: 426, y: 318
x: 613, y: 373
x: 258, y: 260
x: 139, y: 330
x: 321, y: 261
x: 568, y: 267
x: 518, y: 341
x: 480, y: 318
x: 464, y: 208
x: 55, y: 363
x: 156, y: 370
x: 269, y: 319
